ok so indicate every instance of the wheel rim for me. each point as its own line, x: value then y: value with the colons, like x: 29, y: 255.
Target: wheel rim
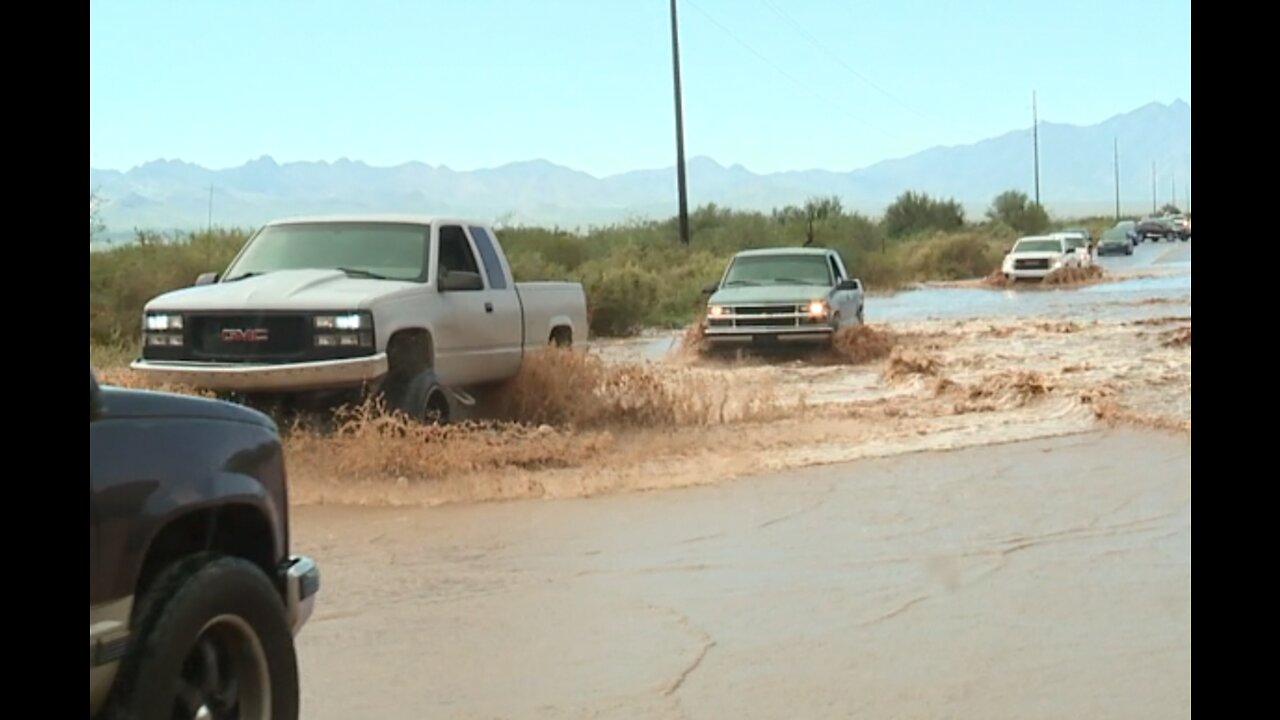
x: 225, y: 675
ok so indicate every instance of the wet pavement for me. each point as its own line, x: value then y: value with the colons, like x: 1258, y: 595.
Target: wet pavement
x: 1045, y: 579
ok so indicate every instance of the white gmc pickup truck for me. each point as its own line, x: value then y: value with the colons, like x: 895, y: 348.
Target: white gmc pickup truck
x: 422, y: 310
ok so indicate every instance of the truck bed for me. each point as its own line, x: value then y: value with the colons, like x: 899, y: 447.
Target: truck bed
x: 548, y: 304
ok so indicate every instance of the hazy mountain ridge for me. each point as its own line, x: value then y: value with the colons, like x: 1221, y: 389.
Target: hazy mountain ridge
x: 1075, y: 161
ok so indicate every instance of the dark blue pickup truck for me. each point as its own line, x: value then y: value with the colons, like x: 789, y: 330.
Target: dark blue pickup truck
x: 194, y: 595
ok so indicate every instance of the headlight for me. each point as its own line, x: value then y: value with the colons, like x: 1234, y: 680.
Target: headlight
x: 348, y: 321
x: 162, y: 330
x: 817, y: 308
x: 343, y: 330
x: 715, y: 311
x: 163, y: 322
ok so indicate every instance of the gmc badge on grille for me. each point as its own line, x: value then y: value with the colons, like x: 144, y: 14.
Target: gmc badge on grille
x: 252, y: 335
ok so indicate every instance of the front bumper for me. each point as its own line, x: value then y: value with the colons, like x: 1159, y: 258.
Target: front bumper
x: 240, y: 377
x: 816, y: 334
x: 301, y: 585
x: 1030, y: 273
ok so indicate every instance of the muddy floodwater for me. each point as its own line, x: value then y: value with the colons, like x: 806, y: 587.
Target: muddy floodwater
x: 983, y: 510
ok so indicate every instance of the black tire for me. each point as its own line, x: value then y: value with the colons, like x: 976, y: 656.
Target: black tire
x: 209, y: 607
x: 561, y: 338
x: 422, y: 398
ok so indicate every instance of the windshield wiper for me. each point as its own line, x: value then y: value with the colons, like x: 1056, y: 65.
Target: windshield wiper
x: 793, y: 281
x: 242, y: 276
x: 740, y: 282
x: 363, y: 273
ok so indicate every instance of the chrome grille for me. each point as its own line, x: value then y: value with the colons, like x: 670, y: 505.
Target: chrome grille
x: 787, y: 315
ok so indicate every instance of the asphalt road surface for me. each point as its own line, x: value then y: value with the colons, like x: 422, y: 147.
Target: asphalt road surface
x: 1046, y: 579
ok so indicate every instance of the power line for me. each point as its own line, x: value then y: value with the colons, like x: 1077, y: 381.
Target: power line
x: 784, y: 73
x: 814, y: 41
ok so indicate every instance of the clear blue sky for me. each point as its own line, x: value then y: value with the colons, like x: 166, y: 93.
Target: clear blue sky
x: 771, y: 84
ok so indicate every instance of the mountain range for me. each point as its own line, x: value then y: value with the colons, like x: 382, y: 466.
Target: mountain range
x: 1077, y: 176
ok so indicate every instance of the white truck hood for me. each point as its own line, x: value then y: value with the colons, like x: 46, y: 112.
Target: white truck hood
x: 283, y: 290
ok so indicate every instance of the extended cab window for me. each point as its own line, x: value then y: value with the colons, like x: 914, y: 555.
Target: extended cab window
x: 455, y: 252
x: 492, y: 267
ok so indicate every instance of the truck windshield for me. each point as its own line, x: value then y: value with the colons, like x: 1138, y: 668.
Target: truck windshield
x: 1026, y: 246
x: 779, y: 270
x: 387, y: 250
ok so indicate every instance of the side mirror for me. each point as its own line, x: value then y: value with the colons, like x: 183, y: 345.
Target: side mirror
x: 710, y: 288
x: 460, y: 282
x: 850, y: 284
x: 95, y: 397
x: 1070, y: 250
x: 1008, y: 250
x: 207, y: 278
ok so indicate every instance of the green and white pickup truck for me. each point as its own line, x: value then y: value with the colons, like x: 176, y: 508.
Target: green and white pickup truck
x: 782, y: 296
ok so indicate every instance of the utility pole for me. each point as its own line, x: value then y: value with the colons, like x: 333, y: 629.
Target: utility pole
x: 1035, y: 141
x: 1173, y: 190
x: 680, y: 176
x: 209, y: 226
x: 1115, y: 163
x: 1153, y: 187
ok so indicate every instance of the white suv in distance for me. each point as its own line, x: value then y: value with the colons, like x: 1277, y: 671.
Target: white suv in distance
x: 1035, y: 256
x: 1080, y: 243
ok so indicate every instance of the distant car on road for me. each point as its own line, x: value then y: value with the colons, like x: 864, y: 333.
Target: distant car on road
x: 1155, y: 229
x: 1181, y: 226
x: 1130, y: 228
x: 1035, y: 256
x: 1081, y: 240
x: 1115, y: 241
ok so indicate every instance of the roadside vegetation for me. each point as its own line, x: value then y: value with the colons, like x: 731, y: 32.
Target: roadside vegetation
x: 637, y: 275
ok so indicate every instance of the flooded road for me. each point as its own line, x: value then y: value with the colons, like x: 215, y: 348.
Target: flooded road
x: 1044, y: 579
x: 1155, y: 280
x: 969, y: 366
x: 985, y: 514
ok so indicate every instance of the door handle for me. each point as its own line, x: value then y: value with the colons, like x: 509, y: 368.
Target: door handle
x: 488, y: 307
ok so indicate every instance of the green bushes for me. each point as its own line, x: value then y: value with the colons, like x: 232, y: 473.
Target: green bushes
x: 1017, y: 211
x: 914, y: 213
x: 955, y: 256
x: 620, y: 298
x: 122, y: 279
